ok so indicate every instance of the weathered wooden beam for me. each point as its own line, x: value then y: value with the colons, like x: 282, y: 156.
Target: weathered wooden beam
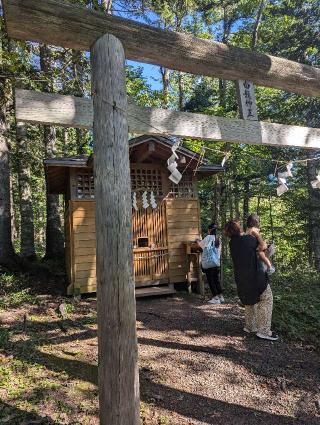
x: 54, y: 109
x: 117, y: 339
x: 67, y: 25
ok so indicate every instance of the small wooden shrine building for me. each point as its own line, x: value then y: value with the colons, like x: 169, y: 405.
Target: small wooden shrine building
x: 165, y: 216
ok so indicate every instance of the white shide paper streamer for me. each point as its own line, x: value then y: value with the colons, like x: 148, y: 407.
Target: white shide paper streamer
x: 145, y: 202
x: 153, y: 202
x: 175, y: 175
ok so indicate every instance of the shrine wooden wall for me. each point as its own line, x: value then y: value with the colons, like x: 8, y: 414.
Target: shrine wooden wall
x: 82, y: 247
x: 183, y: 224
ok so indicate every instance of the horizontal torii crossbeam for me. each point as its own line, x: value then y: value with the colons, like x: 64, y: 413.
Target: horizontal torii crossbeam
x: 66, y: 25
x: 70, y: 111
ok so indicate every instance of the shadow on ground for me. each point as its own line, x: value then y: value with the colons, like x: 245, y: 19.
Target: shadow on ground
x: 161, y: 323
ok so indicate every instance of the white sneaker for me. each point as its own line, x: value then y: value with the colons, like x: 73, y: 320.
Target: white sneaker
x: 214, y: 301
x: 271, y: 270
x: 272, y: 337
x: 221, y: 298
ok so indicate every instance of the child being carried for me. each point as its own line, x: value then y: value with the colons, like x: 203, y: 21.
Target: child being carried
x: 253, y: 229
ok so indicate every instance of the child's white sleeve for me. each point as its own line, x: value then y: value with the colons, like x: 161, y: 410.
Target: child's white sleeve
x: 204, y: 243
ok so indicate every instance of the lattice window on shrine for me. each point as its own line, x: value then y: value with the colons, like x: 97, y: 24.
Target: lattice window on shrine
x: 185, y: 189
x: 85, y: 185
x: 147, y: 179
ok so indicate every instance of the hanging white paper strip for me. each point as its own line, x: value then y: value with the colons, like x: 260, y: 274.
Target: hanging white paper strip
x: 225, y: 159
x: 175, y: 176
x: 316, y: 183
x: 282, y: 189
x: 175, y: 147
x: 145, y: 202
x: 282, y: 180
x: 153, y: 202
x: 288, y: 173
x: 172, y: 167
x: 134, y: 201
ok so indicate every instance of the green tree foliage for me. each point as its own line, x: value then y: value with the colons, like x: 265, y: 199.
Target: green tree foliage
x: 68, y: 73
x: 284, y: 28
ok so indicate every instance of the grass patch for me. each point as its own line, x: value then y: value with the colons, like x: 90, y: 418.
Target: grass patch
x: 297, y: 306
x: 15, y: 290
x: 4, y: 337
x: 30, y: 386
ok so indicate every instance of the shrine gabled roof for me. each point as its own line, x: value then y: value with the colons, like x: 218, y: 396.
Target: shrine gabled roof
x: 70, y: 161
x: 86, y: 161
x: 165, y: 141
x: 57, y: 169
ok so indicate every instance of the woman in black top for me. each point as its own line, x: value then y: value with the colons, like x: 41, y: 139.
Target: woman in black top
x: 252, y: 282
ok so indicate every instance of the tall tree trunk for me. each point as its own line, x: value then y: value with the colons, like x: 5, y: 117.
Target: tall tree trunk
x: 236, y: 200
x: 78, y: 72
x: 246, y: 199
x: 314, y: 194
x: 216, y: 205
x: 230, y: 199
x: 255, y: 32
x: 27, y: 248
x: 314, y: 213
x: 165, y: 75
x: 227, y: 24
x: 15, y: 225
x: 107, y: 6
x: 223, y: 210
x: 6, y: 247
x: 64, y: 137
x: 54, y: 236
x: 181, y: 91
x: 258, y: 204
x: 271, y: 219
x: 222, y: 93
x: 81, y: 141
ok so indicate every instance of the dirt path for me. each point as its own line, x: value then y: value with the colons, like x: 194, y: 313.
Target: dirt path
x: 196, y: 367
x: 206, y: 371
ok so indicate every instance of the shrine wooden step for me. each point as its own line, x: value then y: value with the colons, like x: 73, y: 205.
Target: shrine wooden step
x: 155, y: 290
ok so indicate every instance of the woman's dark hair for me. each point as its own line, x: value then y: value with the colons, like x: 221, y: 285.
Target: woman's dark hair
x: 232, y: 228
x: 212, y: 228
x: 253, y: 220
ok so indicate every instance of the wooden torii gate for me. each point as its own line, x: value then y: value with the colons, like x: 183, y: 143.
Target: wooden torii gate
x: 62, y: 24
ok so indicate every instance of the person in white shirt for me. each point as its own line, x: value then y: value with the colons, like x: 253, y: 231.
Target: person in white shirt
x: 213, y: 273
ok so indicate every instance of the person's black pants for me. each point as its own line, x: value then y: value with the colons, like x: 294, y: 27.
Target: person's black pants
x: 213, y: 280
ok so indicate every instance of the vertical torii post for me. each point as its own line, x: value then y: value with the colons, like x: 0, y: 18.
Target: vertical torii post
x: 117, y: 340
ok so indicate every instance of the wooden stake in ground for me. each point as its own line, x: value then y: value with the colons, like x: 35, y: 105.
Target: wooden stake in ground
x: 117, y: 340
